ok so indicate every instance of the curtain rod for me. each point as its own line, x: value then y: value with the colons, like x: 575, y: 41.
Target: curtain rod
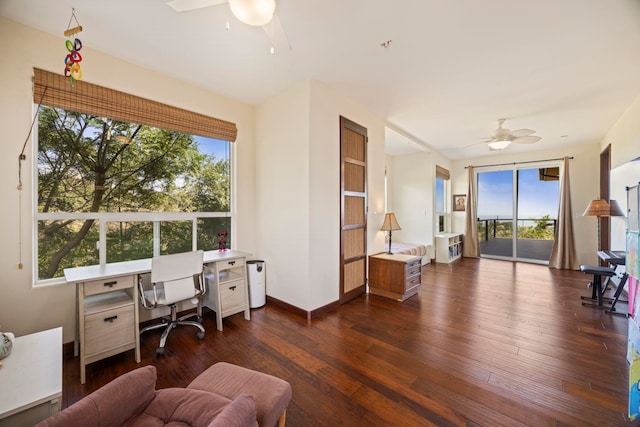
x: 517, y: 163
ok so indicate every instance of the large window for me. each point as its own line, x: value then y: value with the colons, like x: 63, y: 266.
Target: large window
x: 442, y: 176
x: 111, y: 190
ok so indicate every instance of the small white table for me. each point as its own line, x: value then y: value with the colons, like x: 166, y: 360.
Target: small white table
x: 31, y: 379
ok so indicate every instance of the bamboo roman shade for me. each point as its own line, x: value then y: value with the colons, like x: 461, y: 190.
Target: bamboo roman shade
x: 54, y: 90
x: 442, y: 173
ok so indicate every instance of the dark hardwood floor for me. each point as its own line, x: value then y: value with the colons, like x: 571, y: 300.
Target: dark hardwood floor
x: 484, y: 343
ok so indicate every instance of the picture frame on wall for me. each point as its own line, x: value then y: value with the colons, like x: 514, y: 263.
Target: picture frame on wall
x: 459, y: 202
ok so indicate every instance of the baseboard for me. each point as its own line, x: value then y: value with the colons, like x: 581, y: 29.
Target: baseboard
x: 305, y: 314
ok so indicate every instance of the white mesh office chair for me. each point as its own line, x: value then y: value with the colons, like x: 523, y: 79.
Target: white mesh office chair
x: 174, y: 278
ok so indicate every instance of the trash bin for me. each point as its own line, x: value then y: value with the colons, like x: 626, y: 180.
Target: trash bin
x: 257, y: 283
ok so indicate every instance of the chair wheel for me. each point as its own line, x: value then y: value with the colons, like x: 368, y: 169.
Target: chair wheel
x: 200, y: 335
x: 160, y: 351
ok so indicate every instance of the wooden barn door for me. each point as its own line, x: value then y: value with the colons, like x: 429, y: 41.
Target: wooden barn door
x: 353, y: 210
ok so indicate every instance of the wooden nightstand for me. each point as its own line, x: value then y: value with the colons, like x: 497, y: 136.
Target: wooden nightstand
x: 394, y: 276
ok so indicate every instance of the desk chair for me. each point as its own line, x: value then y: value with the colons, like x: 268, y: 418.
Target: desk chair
x: 174, y: 278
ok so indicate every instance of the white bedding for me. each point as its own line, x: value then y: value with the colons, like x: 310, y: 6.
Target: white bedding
x: 408, y: 248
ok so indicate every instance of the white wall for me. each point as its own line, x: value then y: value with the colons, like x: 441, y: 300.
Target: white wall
x: 624, y: 138
x: 302, y: 126
x: 412, y: 185
x: 411, y: 193
x: 282, y: 193
x: 584, y: 187
x: 24, y: 309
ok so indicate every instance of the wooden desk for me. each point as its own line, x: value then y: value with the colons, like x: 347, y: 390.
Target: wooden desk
x: 31, y: 379
x: 107, y: 313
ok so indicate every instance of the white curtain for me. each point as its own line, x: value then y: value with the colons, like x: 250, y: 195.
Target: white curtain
x: 471, y: 246
x: 563, y: 254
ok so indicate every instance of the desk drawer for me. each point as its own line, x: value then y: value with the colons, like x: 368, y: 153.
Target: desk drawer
x: 107, y: 285
x: 109, y: 329
x: 232, y: 295
x: 232, y: 263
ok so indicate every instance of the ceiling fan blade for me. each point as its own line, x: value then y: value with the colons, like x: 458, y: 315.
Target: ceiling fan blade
x: 526, y: 139
x: 522, y: 132
x: 185, y: 5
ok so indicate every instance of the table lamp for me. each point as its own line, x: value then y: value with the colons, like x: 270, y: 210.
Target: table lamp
x: 390, y: 224
x: 615, y: 209
x: 597, y: 208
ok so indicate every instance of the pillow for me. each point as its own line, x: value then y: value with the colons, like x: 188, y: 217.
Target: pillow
x: 241, y: 412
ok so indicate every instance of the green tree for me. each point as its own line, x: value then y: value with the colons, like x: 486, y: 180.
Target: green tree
x: 94, y: 164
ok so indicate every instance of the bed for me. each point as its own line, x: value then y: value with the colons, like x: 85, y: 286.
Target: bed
x: 411, y: 249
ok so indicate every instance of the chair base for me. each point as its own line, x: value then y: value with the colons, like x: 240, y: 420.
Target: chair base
x: 170, y: 322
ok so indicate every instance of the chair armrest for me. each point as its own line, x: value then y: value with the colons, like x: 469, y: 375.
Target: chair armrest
x: 149, y: 305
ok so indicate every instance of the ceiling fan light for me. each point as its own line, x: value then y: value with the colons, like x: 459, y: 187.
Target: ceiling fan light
x: 499, y: 145
x: 253, y: 12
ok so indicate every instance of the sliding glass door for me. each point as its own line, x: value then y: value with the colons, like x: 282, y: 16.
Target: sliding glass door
x: 495, y: 213
x: 517, y: 212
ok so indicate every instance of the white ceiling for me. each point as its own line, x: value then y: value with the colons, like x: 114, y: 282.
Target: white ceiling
x: 453, y: 67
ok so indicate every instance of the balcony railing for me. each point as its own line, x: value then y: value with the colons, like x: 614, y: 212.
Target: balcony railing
x: 530, y: 228
x: 534, y: 239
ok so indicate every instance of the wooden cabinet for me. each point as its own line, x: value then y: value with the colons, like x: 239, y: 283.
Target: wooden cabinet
x: 227, y: 286
x: 108, y: 319
x: 394, y: 276
x: 448, y: 247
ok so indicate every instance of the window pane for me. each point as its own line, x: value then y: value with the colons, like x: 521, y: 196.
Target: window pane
x: 439, y: 195
x: 54, y: 251
x: 98, y: 165
x: 175, y: 237
x: 208, y: 229
x: 104, y: 165
x: 127, y: 241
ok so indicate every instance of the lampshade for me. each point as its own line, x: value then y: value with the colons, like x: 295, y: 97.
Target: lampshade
x: 499, y: 145
x: 390, y: 223
x: 597, y: 207
x: 253, y: 12
x: 615, y: 209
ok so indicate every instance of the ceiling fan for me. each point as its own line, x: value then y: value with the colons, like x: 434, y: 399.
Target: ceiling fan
x: 502, y: 137
x: 257, y: 13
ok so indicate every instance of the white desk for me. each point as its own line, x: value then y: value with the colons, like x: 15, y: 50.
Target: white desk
x: 107, y: 303
x: 31, y: 379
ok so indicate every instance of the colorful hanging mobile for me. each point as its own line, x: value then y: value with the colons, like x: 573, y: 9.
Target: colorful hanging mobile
x: 72, y: 60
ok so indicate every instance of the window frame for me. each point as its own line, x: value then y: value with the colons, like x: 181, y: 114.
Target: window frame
x: 103, y: 218
x: 443, y: 175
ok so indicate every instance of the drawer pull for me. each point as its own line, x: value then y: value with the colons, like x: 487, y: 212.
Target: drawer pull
x: 232, y: 263
x: 110, y: 319
x: 233, y: 288
x: 111, y: 284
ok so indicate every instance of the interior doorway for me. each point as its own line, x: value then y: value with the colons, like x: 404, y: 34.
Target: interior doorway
x: 353, y: 210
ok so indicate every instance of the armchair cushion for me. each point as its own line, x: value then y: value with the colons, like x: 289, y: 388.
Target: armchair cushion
x: 113, y: 404
x: 195, y: 408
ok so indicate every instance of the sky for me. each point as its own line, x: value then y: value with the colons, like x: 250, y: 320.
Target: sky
x: 213, y: 146
x: 536, y: 198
